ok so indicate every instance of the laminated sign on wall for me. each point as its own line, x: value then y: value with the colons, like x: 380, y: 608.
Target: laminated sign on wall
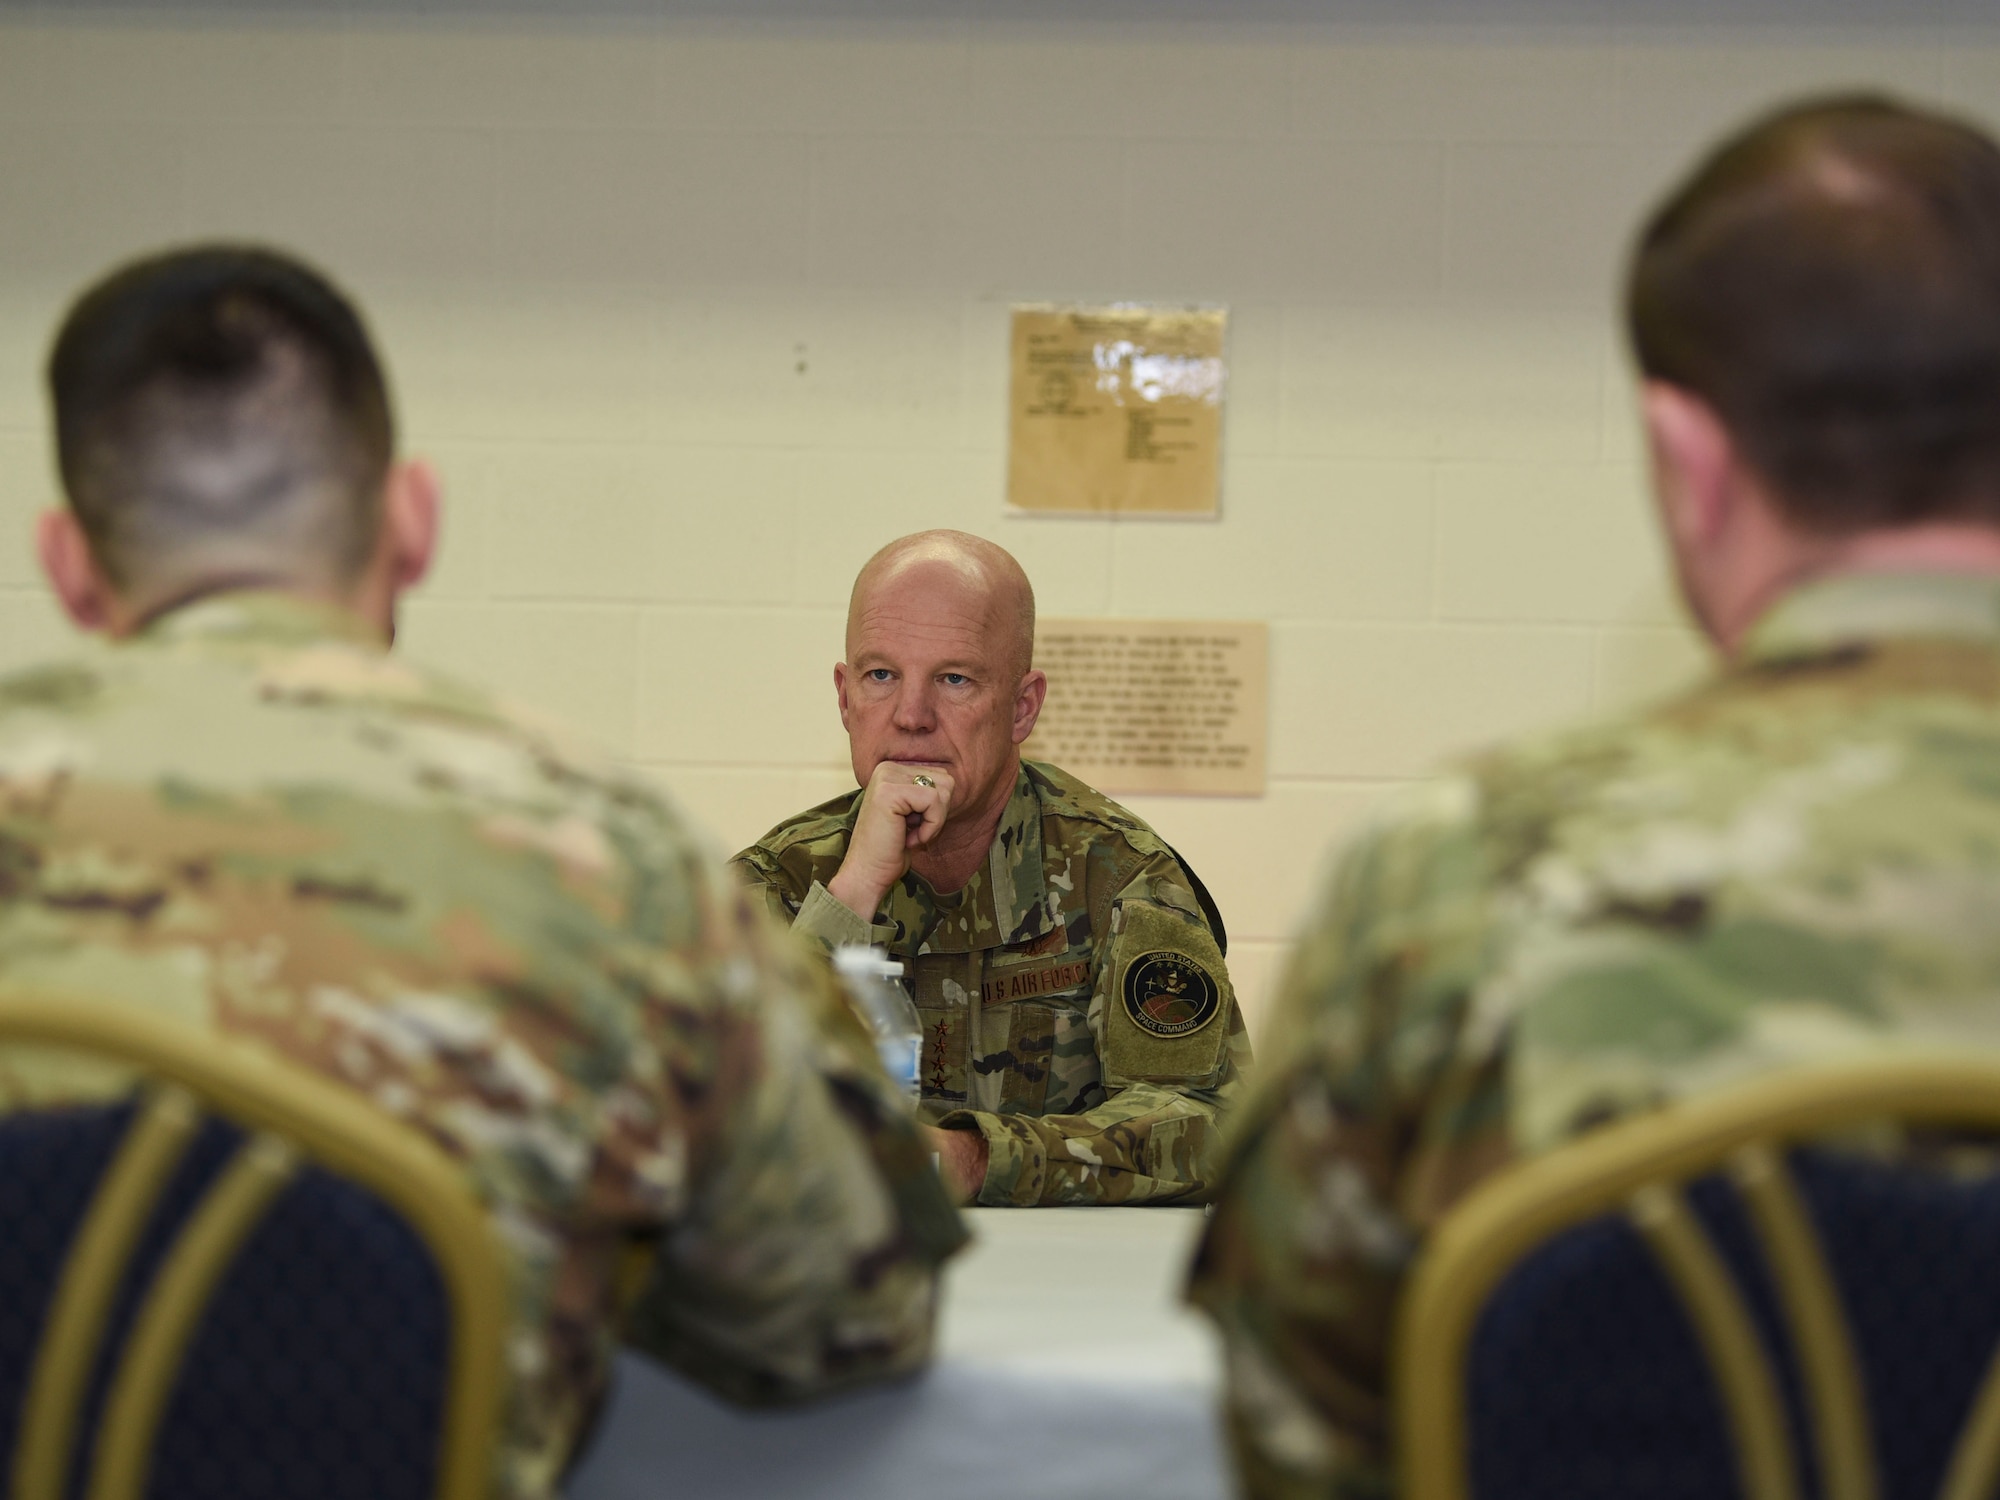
x: 1154, y: 705
x: 1116, y: 409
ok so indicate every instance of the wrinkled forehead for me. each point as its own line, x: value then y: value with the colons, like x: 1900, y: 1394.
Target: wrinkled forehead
x: 933, y: 607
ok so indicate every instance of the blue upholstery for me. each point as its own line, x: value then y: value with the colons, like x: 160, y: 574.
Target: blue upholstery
x: 1915, y: 1257
x: 1585, y: 1379
x: 50, y: 1164
x: 1586, y: 1382
x: 319, y: 1369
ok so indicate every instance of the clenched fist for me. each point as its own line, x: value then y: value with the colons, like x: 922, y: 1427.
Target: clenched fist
x: 898, y: 814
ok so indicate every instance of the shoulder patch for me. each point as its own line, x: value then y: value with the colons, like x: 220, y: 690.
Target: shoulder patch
x: 1168, y: 994
x: 1169, y: 989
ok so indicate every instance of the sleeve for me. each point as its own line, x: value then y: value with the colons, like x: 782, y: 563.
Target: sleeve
x: 1374, y: 1115
x: 816, y: 916
x: 1174, y: 1055
x: 806, y: 1258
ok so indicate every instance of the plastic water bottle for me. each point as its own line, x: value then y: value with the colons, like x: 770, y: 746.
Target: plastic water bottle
x: 875, y: 988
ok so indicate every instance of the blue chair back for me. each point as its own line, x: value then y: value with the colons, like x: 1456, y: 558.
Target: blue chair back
x: 1586, y: 1378
x: 1785, y: 1291
x: 241, y: 1282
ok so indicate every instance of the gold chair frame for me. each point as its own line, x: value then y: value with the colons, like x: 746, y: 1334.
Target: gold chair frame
x: 1640, y: 1166
x: 292, y: 1118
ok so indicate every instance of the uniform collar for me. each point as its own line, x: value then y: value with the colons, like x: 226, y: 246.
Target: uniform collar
x: 259, y: 617
x: 1005, y: 901
x: 1852, y: 608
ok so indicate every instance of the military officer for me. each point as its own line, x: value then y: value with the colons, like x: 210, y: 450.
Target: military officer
x: 243, y: 813
x: 1793, y: 861
x: 1081, y: 1040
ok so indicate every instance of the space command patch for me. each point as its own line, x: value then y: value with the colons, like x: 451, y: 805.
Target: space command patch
x: 1168, y: 994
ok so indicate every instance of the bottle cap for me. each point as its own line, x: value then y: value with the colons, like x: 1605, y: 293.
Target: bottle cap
x: 858, y: 960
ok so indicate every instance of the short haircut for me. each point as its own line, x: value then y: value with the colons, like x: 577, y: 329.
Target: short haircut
x: 1828, y: 280
x: 220, y: 407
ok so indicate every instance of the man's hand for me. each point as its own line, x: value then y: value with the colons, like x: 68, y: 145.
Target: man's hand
x: 961, y: 1158
x: 896, y: 816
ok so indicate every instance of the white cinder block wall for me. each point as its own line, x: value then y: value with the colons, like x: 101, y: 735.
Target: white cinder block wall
x: 694, y: 316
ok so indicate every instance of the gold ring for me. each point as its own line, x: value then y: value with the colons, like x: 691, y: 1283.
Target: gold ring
x: 922, y: 780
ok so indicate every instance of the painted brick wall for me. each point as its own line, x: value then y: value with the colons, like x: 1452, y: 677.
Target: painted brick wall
x: 694, y: 317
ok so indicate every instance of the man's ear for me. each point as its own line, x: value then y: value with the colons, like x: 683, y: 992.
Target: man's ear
x: 1028, y: 700
x: 411, y: 496
x: 72, y: 570
x: 1696, y: 468
x: 840, y: 691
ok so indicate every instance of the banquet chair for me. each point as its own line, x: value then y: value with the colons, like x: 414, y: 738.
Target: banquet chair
x: 233, y: 1278
x: 1783, y: 1290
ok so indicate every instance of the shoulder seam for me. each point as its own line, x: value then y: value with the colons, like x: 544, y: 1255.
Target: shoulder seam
x: 803, y: 826
x: 1064, y: 804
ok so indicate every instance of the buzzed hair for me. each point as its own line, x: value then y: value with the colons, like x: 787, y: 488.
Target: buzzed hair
x: 1828, y: 280
x: 996, y: 565
x: 220, y: 407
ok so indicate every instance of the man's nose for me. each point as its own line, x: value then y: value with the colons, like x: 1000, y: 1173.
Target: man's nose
x: 915, y: 708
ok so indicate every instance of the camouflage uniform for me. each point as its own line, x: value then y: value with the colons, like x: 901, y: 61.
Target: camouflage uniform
x: 1073, y: 998
x: 252, y: 818
x: 1798, y: 860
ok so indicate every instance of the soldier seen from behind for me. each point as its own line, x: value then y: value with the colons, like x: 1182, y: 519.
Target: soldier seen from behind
x: 240, y: 810
x: 1797, y: 860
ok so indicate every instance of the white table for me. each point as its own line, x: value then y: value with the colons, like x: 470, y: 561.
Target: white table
x: 1067, y: 1370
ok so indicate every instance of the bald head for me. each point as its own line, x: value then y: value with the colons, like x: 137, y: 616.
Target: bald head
x: 980, y: 578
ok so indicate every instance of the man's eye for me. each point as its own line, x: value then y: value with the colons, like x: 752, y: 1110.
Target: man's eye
x: 878, y: 674
x: 955, y: 679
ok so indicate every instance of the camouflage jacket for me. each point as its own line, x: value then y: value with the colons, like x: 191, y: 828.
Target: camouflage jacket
x: 1074, y: 1003
x: 1799, y: 859
x: 252, y: 818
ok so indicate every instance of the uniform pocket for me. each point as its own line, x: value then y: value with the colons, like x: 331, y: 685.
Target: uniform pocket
x: 1076, y: 1081
x: 1031, y: 1045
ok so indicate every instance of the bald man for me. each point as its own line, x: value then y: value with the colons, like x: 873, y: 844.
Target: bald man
x: 1081, y: 1040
